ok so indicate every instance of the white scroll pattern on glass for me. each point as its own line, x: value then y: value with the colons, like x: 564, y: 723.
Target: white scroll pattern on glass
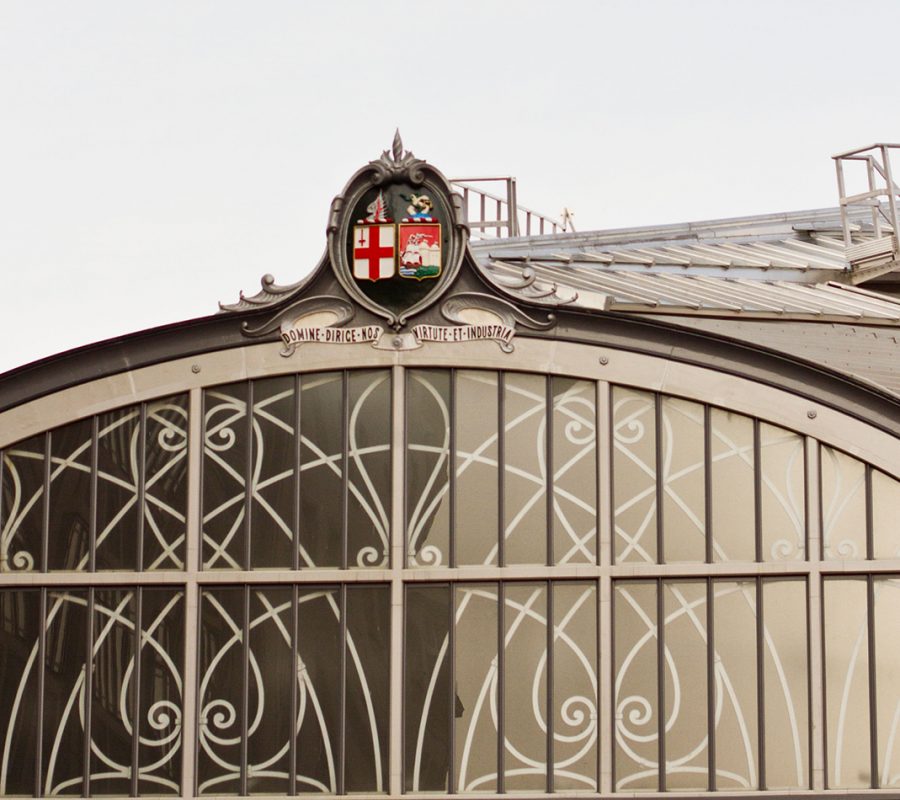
x: 128, y: 453
x: 267, y: 454
x: 251, y: 720
x: 687, y: 686
x: 124, y: 690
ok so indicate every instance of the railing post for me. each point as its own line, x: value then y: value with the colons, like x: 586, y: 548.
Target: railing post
x: 839, y: 166
x: 512, y: 206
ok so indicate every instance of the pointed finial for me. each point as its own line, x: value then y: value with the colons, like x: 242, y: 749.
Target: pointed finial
x: 398, y: 145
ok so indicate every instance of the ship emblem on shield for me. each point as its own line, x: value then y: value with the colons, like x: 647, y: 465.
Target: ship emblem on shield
x: 420, y: 250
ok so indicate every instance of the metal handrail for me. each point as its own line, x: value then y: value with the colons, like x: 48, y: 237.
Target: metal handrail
x: 877, y: 159
x: 502, y: 220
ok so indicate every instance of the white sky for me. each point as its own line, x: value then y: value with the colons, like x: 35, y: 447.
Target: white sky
x: 157, y: 157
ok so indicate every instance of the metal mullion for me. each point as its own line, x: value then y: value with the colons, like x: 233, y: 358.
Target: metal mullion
x: 248, y: 478
x: 501, y: 687
x: 452, y: 468
x: 760, y: 684
x: 870, y: 530
x: 602, y: 588
x: 711, y: 681
x: 660, y: 490
x: 136, y: 684
x: 548, y: 469
x: 873, y: 708
x: 39, y: 723
x: 757, y: 491
x: 295, y: 556
x: 245, y: 686
x: 45, y: 517
x: 403, y: 681
x: 92, y: 521
x: 295, y: 636
x: 342, y: 723
x: 88, y: 689
x: 501, y: 468
x: 142, y: 488
x: 661, y: 680
x: 549, y: 713
x: 707, y: 481
x: 402, y: 387
x: 451, y: 649
x: 345, y: 464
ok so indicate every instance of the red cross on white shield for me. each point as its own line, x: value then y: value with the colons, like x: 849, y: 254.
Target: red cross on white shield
x: 373, y: 252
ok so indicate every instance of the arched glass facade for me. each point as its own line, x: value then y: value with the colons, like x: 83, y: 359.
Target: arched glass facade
x: 418, y: 578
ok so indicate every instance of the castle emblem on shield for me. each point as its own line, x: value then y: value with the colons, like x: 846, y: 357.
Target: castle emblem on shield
x: 411, y: 248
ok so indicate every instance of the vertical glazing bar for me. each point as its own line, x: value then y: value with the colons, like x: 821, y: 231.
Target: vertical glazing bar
x: 245, y: 688
x: 661, y: 679
x: 711, y: 680
x: 707, y: 485
x: 501, y: 468
x: 549, y: 715
x: 342, y: 726
x: 92, y: 522
x: 45, y: 519
x: 345, y: 463
x: 398, y: 562
x: 189, y: 726
x: 39, y: 722
x: 295, y: 556
x: 873, y: 696
x: 760, y: 682
x: 813, y: 500
x: 870, y: 532
x: 660, y: 489
x: 757, y: 490
x: 817, y: 731
x: 89, y: 687
x: 142, y: 487
x: 451, y: 664
x: 501, y: 689
x: 452, y: 471
x: 548, y: 468
x: 605, y: 721
x: 295, y: 636
x: 248, y: 477
x: 136, y: 687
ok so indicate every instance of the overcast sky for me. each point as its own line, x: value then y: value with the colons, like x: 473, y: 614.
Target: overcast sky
x: 158, y: 157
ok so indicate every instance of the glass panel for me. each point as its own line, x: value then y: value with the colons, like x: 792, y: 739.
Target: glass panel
x: 269, y: 690
x: 732, y: 484
x: 634, y: 475
x: 575, y: 710
x: 574, y: 472
x: 735, y: 685
x: 847, y: 683
x: 369, y: 500
x: 783, y: 498
x: 684, y: 477
x: 636, y: 698
x: 19, y: 641
x: 112, y: 707
x: 70, y: 496
x: 686, y: 686
x: 118, y: 473
x: 843, y: 506
x: 525, y: 469
x: 427, y: 468
x: 22, y: 505
x: 63, y: 740
x: 321, y: 470
x: 885, y: 519
x: 367, y: 693
x: 273, y: 485
x: 225, y: 451
x: 318, y: 689
x: 427, y: 702
x: 165, y: 483
x: 477, y: 488
x: 220, y: 704
x: 476, y: 688
x: 887, y: 678
x: 786, y: 684
x: 525, y: 686
x: 160, y: 715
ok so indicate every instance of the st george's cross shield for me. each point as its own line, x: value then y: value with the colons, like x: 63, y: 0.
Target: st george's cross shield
x: 373, y: 252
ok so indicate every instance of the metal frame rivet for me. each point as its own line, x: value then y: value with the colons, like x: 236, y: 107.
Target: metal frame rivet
x: 812, y: 413
x: 398, y: 342
x: 195, y: 368
x: 604, y: 360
